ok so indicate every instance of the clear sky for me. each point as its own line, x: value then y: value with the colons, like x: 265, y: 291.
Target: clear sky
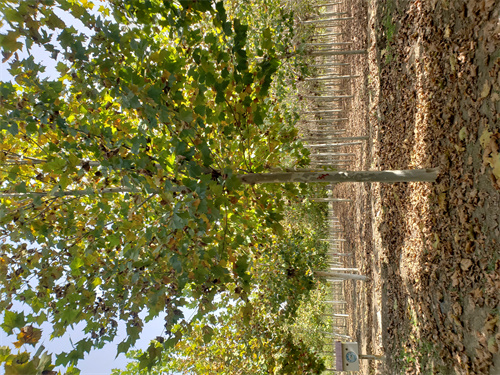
x: 98, y: 361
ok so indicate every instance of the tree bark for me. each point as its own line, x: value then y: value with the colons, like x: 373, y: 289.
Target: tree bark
x: 413, y: 175
x: 336, y: 53
x: 330, y: 78
x: 340, y: 254
x: 324, y: 44
x: 340, y: 276
x: 318, y: 112
x: 327, y: 20
x: 328, y: 98
x: 422, y: 175
x: 361, y: 138
x: 331, y: 200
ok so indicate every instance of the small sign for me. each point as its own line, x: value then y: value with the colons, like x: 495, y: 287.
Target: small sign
x: 347, y: 356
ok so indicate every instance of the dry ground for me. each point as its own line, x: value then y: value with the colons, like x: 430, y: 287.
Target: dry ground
x: 428, y: 96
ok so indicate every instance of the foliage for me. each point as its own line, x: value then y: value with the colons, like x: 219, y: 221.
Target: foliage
x: 118, y: 188
x: 250, y: 335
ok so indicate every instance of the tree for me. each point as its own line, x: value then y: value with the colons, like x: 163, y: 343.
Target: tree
x: 118, y: 177
x: 121, y: 179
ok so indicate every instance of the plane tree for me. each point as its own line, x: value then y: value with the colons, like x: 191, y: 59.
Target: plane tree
x: 118, y: 177
x: 130, y: 181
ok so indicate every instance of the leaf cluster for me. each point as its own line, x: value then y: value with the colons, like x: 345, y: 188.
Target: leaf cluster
x: 118, y: 177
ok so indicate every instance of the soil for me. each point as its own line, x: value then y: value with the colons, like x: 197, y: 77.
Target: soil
x: 428, y: 96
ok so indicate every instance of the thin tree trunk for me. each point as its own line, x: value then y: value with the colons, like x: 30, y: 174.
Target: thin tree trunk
x: 331, y: 14
x: 333, y: 154
x: 336, y: 315
x: 332, y: 145
x: 331, y: 78
x: 329, y: 64
x: 422, y: 175
x: 328, y: 98
x: 324, y: 44
x: 343, y: 269
x: 340, y: 254
x: 331, y: 200
x: 321, y: 121
x: 327, y: 20
x: 339, y: 275
x: 323, y: 111
x: 337, y: 53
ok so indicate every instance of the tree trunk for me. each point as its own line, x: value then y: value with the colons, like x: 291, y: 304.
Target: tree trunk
x: 338, y: 154
x: 331, y: 200
x: 361, y: 138
x: 342, y: 269
x: 324, y: 44
x: 330, y: 78
x: 322, y: 66
x: 341, y: 276
x: 334, y: 145
x: 422, y: 175
x: 337, y: 53
x: 324, y: 121
x: 330, y: 14
x: 336, y: 315
x: 328, y: 98
x: 318, y: 112
x: 327, y: 20
x: 339, y: 254
x: 413, y: 175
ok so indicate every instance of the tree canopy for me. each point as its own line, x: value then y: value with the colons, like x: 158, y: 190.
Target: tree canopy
x: 118, y: 176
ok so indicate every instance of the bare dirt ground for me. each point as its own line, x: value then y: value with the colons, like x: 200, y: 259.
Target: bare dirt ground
x: 428, y: 96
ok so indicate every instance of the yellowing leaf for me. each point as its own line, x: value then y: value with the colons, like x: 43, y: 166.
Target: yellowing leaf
x: 485, y: 91
x: 196, y: 203
x: 462, y: 134
x: 485, y: 138
x: 28, y: 335
x: 495, y: 164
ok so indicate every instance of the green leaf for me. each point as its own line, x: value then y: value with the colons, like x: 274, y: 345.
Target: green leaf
x: 267, y: 39
x: 76, y: 263
x: 186, y: 115
x: 21, y: 187
x: 13, y: 320
x: 68, y: 316
x: 175, y: 263
x: 241, y: 265
x: 257, y: 118
x: 9, y: 41
x: 208, y: 332
x: 4, y: 353
x: 53, y: 22
x: 13, y: 128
